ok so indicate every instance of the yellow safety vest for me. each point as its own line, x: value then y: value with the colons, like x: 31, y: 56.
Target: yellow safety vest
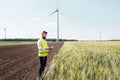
x: 43, y: 53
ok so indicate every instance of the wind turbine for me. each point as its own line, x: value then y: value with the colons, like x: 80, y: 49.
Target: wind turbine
x: 57, y: 11
x: 100, y: 35
x: 5, y: 32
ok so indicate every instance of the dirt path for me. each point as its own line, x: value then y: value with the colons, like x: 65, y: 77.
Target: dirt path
x: 21, y: 62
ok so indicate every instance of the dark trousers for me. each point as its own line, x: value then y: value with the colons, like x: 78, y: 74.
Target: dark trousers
x: 43, y: 61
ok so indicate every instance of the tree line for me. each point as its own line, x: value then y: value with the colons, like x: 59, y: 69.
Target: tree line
x: 35, y: 39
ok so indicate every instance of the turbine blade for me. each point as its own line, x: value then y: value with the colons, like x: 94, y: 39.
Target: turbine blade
x: 53, y: 13
x: 62, y: 13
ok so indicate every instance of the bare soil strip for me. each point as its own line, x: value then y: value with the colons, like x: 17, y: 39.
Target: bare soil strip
x: 21, y: 62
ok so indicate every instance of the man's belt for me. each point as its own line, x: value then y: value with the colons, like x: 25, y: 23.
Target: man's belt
x: 43, y: 52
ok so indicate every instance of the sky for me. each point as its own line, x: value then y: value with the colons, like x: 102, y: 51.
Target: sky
x: 79, y: 19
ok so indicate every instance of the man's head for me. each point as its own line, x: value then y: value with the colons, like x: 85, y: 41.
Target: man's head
x: 44, y: 34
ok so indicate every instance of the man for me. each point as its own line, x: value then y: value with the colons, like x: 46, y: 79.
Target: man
x: 43, y: 51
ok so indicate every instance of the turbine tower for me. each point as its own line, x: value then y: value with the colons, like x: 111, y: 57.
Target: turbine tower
x: 5, y: 32
x: 100, y: 35
x: 57, y: 11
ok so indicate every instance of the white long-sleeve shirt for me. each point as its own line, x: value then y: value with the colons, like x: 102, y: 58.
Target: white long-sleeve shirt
x: 40, y: 45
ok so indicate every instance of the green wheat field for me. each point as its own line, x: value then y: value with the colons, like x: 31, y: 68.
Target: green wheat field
x: 86, y: 61
x: 7, y: 43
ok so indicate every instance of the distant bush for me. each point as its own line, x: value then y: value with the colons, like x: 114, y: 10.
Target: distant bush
x: 115, y: 40
x: 35, y: 39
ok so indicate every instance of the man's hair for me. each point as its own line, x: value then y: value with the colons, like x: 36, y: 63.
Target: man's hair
x: 45, y: 32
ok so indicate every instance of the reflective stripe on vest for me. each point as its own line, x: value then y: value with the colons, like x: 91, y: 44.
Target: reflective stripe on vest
x: 43, y: 53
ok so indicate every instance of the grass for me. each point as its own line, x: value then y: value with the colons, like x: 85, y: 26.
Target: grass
x: 86, y: 61
x: 6, y: 43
